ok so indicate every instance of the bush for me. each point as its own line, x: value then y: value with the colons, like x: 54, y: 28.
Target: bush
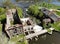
x: 20, y: 12
x: 34, y: 10
x: 2, y: 10
x: 58, y: 13
x: 2, y: 14
x: 0, y: 28
x: 56, y: 25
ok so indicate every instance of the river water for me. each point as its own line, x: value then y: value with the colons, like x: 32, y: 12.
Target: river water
x: 46, y: 38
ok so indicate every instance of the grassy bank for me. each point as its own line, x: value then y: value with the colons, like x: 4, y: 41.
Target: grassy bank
x: 58, y: 13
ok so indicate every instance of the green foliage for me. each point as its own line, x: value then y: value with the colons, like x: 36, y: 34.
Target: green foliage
x: 2, y: 14
x: 44, y: 25
x: 58, y: 13
x: 48, y: 30
x: 22, y: 42
x: 19, y: 40
x: 0, y: 27
x: 40, y: 14
x: 2, y: 17
x: 20, y: 12
x: 56, y: 25
x: 2, y: 10
x: 34, y: 10
x: 15, y: 38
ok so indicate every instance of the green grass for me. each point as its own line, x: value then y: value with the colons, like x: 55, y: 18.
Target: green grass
x: 23, y: 42
x: 18, y: 39
x: 15, y: 38
x: 58, y: 13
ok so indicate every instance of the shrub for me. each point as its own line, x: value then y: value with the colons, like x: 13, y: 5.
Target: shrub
x: 2, y: 14
x: 20, y: 12
x: 34, y: 10
x: 56, y: 25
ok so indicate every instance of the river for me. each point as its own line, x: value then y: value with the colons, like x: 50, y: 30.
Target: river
x: 45, y: 38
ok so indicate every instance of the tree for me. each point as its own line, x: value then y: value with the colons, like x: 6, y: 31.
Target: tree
x: 2, y: 10
x: 36, y: 1
x: 34, y: 10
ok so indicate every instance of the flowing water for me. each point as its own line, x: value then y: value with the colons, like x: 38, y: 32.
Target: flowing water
x: 46, y: 38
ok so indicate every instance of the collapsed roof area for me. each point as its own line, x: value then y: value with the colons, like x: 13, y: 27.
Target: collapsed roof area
x: 50, y: 14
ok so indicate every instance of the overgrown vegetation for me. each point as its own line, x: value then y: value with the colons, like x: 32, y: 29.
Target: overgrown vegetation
x: 48, y: 30
x: 2, y: 14
x: 56, y: 25
x: 58, y: 13
x: 20, y: 12
x: 3, y: 37
x: 34, y: 10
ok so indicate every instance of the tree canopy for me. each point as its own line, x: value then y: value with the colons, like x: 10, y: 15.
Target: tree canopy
x: 35, y: 11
